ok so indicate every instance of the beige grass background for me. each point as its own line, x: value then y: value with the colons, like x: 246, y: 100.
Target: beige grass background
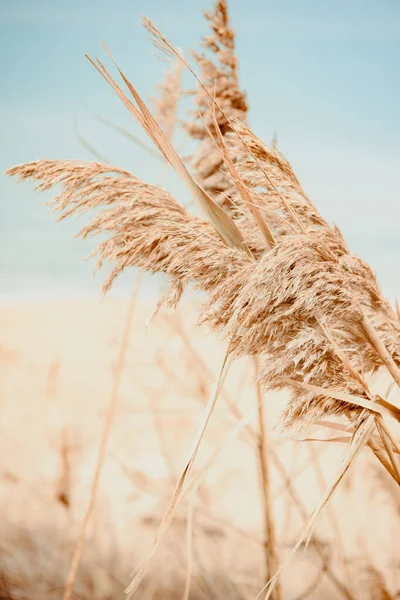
x: 56, y: 370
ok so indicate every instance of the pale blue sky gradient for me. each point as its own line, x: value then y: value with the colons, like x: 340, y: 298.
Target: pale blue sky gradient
x: 323, y: 75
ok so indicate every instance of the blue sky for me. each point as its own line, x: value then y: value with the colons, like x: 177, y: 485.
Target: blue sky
x: 323, y: 75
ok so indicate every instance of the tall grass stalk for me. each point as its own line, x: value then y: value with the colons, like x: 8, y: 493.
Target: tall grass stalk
x: 108, y: 421
x: 270, y: 542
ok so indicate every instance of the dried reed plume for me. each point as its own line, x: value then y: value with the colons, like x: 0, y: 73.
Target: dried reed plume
x: 166, y: 102
x: 281, y: 282
x: 300, y: 305
x: 219, y: 73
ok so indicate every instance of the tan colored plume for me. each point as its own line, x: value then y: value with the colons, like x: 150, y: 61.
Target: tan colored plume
x: 219, y: 74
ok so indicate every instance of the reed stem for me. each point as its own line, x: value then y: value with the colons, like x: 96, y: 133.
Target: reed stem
x: 270, y: 545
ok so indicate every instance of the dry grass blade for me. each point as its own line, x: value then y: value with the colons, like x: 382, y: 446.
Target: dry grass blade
x: 68, y: 590
x: 180, y: 488
x: 167, y: 101
x: 359, y: 439
x: 343, y: 357
x: 376, y: 407
x: 270, y: 543
x: 395, y: 445
x: 189, y: 543
x: 242, y: 189
x: 388, y: 442
x: 88, y: 146
x: 344, y: 439
x: 195, y: 481
x: 129, y: 136
x: 333, y: 425
x: 381, y: 454
x: 372, y: 441
x: 223, y: 224
x: 381, y: 349
x: 298, y: 503
x: 332, y: 516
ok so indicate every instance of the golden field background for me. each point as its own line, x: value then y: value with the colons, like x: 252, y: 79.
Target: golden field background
x: 57, y: 367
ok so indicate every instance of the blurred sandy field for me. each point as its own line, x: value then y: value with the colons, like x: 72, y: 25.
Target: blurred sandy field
x: 57, y: 363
